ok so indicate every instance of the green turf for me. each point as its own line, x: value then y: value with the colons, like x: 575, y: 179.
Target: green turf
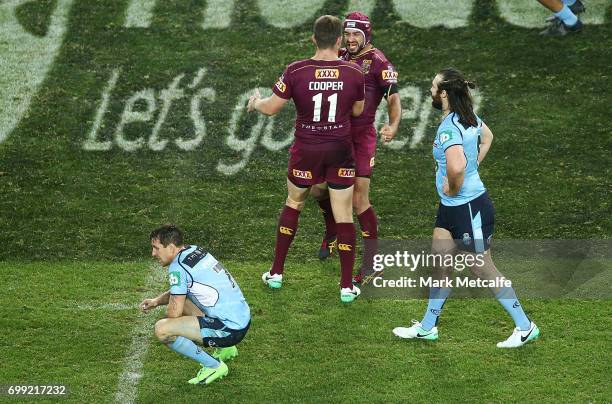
x: 303, y: 345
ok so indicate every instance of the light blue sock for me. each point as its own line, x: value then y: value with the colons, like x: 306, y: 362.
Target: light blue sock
x: 567, y: 16
x: 437, y: 297
x: 188, y: 348
x: 569, y: 2
x: 508, y: 299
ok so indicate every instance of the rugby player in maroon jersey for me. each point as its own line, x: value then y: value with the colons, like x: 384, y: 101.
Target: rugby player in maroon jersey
x: 381, y: 81
x: 326, y: 91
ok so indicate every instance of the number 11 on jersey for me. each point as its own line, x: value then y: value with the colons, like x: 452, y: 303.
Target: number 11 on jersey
x: 318, y: 100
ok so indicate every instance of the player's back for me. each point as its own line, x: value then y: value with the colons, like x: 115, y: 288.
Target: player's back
x: 212, y: 288
x: 324, y: 93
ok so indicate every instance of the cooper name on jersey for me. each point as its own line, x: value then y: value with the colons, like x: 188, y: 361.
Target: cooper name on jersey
x: 326, y: 85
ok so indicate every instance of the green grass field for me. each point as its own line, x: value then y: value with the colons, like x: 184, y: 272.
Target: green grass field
x: 117, y: 116
x: 303, y: 344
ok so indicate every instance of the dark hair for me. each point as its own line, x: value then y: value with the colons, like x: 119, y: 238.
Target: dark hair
x: 167, y: 234
x: 327, y: 29
x: 459, y: 98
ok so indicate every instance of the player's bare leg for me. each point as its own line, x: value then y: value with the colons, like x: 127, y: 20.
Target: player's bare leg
x: 342, y: 207
x: 285, y: 232
x: 553, y: 5
x: 167, y: 329
x: 328, y: 245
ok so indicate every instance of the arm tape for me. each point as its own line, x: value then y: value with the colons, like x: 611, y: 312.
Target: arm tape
x: 390, y: 89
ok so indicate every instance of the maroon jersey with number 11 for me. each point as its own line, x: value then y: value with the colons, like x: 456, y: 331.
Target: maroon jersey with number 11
x: 324, y: 93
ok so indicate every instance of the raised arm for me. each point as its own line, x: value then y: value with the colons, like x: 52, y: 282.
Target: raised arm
x: 486, y: 138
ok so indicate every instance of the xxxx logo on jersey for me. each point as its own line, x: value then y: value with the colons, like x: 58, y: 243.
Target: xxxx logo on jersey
x: 389, y: 75
x: 327, y: 74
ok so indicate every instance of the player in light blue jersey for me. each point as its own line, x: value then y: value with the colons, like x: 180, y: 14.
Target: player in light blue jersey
x: 465, y: 219
x: 205, y: 305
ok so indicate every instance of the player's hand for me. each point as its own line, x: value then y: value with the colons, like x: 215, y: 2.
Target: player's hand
x: 148, y: 304
x: 387, y: 133
x: 445, y: 187
x: 252, y: 99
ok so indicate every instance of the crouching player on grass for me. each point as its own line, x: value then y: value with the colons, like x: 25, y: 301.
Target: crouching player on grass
x: 466, y: 215
x: 205, y: 305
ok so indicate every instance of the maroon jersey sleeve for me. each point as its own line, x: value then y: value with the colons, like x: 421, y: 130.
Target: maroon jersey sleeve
x: 282, y: 87
x: 384, y: 73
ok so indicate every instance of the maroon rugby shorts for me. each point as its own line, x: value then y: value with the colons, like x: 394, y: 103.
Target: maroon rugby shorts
x: 314, y: 164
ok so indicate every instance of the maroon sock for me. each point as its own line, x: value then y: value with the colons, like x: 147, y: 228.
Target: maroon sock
x: 369, y: 233
x: 330, y: 223
x: 346, y: 251
x: 285, y: 232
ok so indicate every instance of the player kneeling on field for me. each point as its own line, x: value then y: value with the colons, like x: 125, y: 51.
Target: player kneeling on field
x: 205, y: 305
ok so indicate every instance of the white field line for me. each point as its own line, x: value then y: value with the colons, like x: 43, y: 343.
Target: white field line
x: 108, y: 306
x: 127, y: 385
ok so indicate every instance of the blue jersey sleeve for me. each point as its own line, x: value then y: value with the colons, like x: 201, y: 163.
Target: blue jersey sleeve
x: 449, y: 136
x: 177, y: 278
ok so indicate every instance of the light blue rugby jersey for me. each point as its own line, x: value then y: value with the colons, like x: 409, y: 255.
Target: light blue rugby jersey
x: 205, y: 281
x: 450, y: 133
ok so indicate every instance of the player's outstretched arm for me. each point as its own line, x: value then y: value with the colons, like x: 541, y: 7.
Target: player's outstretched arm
x: 486, y: 139
x: 268, y: 106
x: 394, y: 108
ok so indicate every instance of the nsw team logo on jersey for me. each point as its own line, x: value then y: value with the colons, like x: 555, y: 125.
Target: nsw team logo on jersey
x: 174, y: 278
x: 307, y: 175
x: 280, y: 84
x: 346, y: 172
x: 327, y: 73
